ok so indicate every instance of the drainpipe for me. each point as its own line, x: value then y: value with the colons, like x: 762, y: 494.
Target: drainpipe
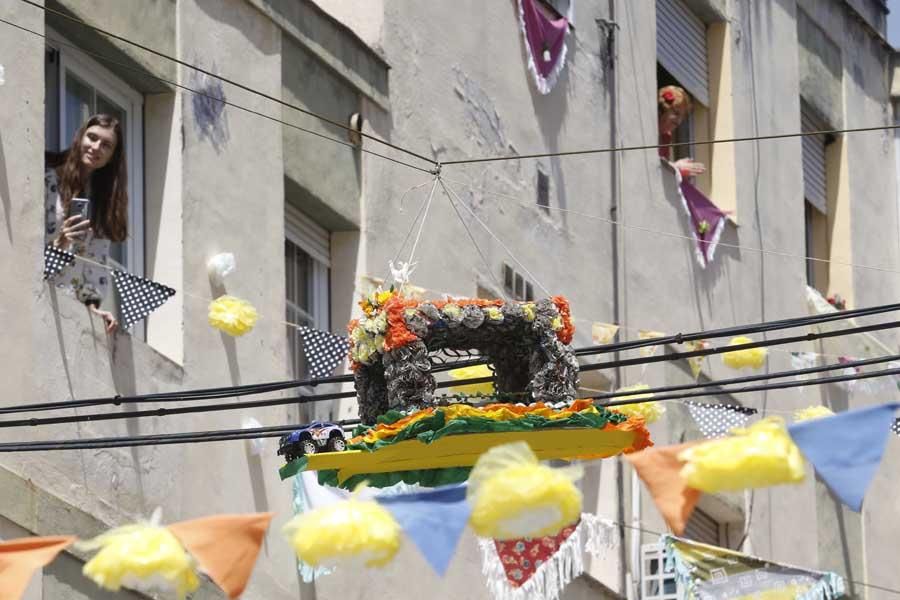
x: 609, y: 25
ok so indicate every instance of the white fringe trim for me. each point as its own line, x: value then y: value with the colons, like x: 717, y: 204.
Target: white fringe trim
x: 544, y: 84
x: 558, y: 571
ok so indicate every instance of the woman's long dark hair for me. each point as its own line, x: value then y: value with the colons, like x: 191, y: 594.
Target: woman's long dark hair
x: 109, y: 185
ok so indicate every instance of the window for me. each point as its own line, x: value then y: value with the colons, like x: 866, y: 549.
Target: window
x: 703, y: 528
x: 543, y: 190
x: 78, y: 87
x: 516, y: 285
x: 815, y: 205
x: 307, y: 258
x: 656, y: 582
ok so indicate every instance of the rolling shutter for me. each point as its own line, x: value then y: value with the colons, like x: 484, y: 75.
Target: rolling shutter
x: 681, y: 47
x: 814, y: 187
x: 314, y: 239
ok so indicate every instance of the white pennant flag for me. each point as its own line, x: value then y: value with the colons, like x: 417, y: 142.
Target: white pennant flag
x: 647, y: 334
x: 603, y: 333
x: 803, y: 360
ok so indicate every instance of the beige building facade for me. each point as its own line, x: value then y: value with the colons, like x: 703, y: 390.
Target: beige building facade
x: 312, y: 222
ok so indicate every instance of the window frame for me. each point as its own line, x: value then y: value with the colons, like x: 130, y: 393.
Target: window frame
x: 656, y: 552
x: 103, y: 80
x: 318, y: 288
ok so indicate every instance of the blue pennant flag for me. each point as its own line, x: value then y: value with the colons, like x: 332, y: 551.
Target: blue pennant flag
x: 846, y: 449
x: 433, y: 519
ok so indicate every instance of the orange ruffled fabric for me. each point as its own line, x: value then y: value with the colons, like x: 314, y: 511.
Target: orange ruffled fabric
x: 507, y: 412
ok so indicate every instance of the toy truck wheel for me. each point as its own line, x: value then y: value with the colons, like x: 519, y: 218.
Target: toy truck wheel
x: 308, y: 446
x: 337, y: 444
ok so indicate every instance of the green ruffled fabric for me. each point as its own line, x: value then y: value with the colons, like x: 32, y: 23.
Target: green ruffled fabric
x: 436, y: 426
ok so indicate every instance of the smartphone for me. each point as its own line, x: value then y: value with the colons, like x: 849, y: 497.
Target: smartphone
x: 80, y: 206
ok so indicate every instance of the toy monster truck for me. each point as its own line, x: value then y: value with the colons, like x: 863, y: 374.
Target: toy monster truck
x: 309, y: 439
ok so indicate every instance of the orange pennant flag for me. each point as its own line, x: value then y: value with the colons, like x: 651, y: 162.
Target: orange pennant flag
x: 659, y: 469
x: 20, y: 558
x: 225, y: 546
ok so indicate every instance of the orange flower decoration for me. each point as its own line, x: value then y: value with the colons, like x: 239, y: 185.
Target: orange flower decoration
x: 398, y: 335
x: 565, y: 334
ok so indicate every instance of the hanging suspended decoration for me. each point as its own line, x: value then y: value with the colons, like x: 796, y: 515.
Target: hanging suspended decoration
x: 748, y: 358
x: 757, y: 456
x: 705, y: 571
x: 20, y: 558
x: 650, y: 412
x: 220, y: 266
x: 142, y: 556
x: 812, y: 412
x: 660, y: 470
x: 846, y: 449
x: 138, y: 297
x: 603, y: 333
x: 232, y: 315
x: 473, y: 372
x: 647, y: 334
x: 705, y: 220
x: 351, y: 533
x: 695, y: 362
x: 716, y: 420
x: 545, y: 43
x: 514, y: 496
x: 438, y: 446
x: 540, y: 568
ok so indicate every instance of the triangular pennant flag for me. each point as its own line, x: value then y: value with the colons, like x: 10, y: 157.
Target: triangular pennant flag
x: 225, y: 546
x: 803, y: 360
x: 55, y: 260
x: 659, y: 469
x: 545, y: 43
x: 603, y: 333
x: 846, y: 449
x: 324, y: 351
x: 646, y: 334
x: 715, y: 420
x: 523, y: 557
x: 896, y: 426
x: 434, y: 520
x: 20, y: 558
x: 138, y: 297
x: 695, y: 362
x: 706, y: 220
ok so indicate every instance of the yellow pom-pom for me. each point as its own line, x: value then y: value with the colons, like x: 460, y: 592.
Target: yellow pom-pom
x: 232, y: 315
x: 754, y: 358
x: 649, y: 411
x: 144, y: 557
x: 351, y: 533
x: 812, y: 412
x: 513, y: 496
x: 757, y: 456
x: 471, y: 373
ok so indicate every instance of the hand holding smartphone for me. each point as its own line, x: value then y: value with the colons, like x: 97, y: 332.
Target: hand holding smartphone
x: 81, y: 207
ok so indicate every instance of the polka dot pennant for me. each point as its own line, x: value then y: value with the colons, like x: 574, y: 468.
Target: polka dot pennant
x: 896, y: 426
x: 716, y: 420
x: 55, y: 260
x: 324, y: 351
x: 138, y: 297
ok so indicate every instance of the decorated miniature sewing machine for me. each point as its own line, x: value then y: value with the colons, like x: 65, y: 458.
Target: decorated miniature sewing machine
x: 408, y: 435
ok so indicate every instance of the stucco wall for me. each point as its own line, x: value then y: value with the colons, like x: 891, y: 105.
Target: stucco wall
x: 458, y: 87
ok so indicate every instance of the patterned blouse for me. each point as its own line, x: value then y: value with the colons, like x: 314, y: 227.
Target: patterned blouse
x: 88, y: 283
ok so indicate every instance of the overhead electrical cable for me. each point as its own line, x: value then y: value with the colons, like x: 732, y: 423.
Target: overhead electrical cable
x: 54, y: 41
x: 224, y: 392
x: 236, y: 84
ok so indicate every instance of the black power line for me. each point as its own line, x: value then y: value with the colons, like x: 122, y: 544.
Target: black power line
x: 236, y: 84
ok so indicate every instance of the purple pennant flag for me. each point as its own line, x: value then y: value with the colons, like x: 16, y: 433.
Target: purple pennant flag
x: 545, y: 43
x: 706, y: 220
